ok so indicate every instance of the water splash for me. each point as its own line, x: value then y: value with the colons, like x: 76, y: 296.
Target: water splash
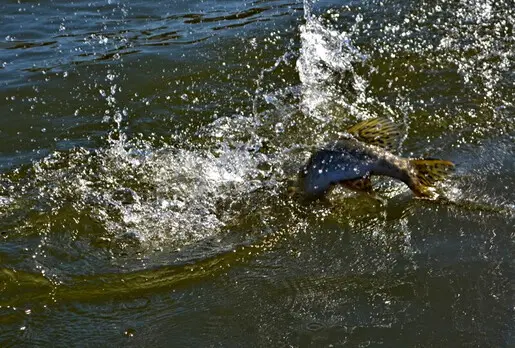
x: 132, y: 197
x: 327, y: 60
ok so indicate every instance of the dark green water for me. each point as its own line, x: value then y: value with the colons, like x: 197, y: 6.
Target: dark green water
x: 146, y: 154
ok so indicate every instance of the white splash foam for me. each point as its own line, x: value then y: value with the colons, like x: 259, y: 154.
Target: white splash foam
x: 325, y: 51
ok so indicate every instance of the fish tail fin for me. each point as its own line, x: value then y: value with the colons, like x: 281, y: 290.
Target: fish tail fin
x: 427, y: 172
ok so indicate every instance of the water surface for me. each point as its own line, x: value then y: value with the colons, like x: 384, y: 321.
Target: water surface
x: 147, y: 150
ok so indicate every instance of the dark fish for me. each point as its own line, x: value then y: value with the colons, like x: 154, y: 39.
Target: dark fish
x: 353, y: 160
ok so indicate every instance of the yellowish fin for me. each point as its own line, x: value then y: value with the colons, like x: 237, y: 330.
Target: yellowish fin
x: 427, y: 172
x: 378, y: 131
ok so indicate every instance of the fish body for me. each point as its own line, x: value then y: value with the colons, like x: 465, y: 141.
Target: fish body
x: 364, y: 153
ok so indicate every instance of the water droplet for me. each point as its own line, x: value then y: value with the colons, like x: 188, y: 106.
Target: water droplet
x: 129, y: 332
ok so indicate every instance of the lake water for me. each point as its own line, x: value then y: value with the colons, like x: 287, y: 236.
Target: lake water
x: 147, y: 149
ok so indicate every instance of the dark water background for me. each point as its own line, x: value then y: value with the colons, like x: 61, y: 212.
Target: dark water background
x: 146, y: 150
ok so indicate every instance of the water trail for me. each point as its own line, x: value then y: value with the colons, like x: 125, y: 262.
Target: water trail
x: 137, y: 283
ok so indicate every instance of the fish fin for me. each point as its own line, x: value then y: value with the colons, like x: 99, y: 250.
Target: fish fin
x: 363, y: 184
x: 427, y: 172
x: 377, y: 131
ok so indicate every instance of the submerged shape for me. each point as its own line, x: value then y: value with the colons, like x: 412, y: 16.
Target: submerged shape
x: 352, y: 161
